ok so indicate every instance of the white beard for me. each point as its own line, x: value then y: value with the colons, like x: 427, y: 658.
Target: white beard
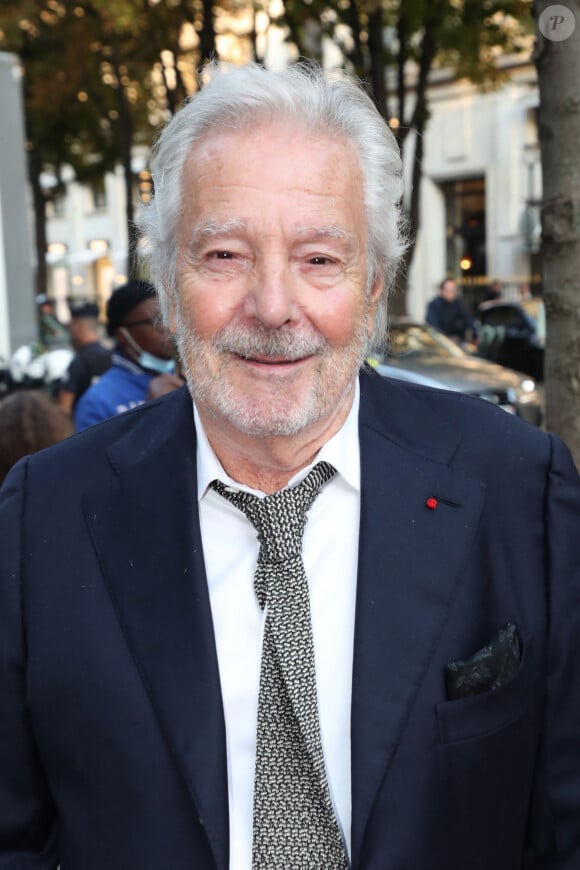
x: 208, y: 364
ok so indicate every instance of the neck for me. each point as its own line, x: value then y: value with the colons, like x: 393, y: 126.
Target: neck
x: 268, y: 463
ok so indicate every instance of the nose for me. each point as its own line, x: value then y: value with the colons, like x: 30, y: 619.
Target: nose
x: 271, y: 297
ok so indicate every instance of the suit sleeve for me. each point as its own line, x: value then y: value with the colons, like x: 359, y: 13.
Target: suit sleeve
x: 27, y: 816
x: 555, y: 828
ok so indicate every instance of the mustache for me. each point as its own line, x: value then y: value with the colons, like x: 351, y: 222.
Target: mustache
x: 251, y: 341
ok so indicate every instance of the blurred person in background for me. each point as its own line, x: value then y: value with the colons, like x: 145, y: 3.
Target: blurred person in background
x: 447, y: 313
x: 142, y: 367
x: 493, y: 292
x: 29, y: 421
x: 52, y: 332
x: 91, y: 360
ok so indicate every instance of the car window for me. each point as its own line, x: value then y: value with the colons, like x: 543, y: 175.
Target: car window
x: 504, y: 315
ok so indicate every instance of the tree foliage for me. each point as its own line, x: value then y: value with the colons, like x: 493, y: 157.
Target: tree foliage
x: 100, y: 77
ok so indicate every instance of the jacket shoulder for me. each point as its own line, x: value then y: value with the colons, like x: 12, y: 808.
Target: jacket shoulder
x: 426, y: 418
x: 146, y: 423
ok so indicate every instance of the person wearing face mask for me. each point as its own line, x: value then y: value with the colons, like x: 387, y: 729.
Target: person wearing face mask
x: 143, y: 365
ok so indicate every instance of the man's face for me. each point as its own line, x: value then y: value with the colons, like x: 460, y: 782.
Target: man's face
x: 144, y: 326
x: 273, y: 318
x: 449, y: 291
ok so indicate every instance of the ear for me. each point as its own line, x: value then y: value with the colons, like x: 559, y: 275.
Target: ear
x: 374, y: 296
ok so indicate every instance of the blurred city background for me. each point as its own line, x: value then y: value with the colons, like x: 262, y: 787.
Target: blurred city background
x: 85, y: 87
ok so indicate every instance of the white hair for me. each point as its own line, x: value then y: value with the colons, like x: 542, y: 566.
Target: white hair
x: 235, y: 98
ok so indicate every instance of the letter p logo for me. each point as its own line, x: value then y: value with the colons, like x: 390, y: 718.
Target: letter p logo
x: 557, y: 23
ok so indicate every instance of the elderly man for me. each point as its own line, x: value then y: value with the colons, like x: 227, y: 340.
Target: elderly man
x: 312, y: 619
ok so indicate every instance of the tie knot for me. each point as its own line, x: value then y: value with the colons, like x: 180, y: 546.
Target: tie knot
x: 279, y: 519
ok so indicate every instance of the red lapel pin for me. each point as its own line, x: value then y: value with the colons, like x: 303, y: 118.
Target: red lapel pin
x: 431, y: 503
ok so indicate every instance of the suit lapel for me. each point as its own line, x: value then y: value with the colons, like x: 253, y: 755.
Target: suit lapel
x: 145, y: 529
x: 410, y: 560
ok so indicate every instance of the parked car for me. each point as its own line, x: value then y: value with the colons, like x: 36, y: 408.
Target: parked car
x: 513, y: 334
x: 420, y: 353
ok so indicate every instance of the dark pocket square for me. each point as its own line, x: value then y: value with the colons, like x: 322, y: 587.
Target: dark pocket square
x: 492, y: 666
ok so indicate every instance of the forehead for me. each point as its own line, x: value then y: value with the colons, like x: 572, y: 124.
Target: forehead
x: 312, y: 178
x: 147, y: 308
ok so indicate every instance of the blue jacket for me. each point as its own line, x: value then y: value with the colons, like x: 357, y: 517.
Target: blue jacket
x: 124, y: 386
x: 112, y: 738
x: 450, y: 318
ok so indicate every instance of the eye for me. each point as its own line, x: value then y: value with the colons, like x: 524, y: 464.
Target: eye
x: 226, y: 261
x: 319, y: 260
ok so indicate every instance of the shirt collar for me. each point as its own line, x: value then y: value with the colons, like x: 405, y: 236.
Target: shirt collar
x: 341, y: 451
x: 129, y: 365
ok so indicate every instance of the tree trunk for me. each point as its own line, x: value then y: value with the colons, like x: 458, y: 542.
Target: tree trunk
x: 417, y: 122
x: 401, y: 64
x: 356, y: 55
x: 558, y: 65
x: 207, y: 49
x: 377, y: 59
x: 399, y: 299
x: 39, y: 207
x: 292, y: 25
x: 176, y: 94
x: 256, y: 56
x: 125, y: 128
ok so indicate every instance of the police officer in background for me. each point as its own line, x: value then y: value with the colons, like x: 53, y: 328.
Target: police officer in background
x: 142, y: 367
x: 92, y: 358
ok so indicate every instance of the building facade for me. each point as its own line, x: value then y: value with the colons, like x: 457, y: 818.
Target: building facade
x: 481, y: 189
x: 18, y: 323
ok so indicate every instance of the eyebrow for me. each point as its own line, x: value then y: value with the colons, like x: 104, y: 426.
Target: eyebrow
x: 334, y: 231
x: 211, y: 229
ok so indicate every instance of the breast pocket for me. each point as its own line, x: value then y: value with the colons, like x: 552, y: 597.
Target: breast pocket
x: 479, y: 715
x: 485, y: 756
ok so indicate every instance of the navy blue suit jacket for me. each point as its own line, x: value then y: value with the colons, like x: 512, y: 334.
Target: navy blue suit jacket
x: 112, y: 741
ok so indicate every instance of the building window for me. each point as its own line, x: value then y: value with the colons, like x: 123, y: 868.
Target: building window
x: 98, y: 194
x: 465, y: 222
x: 55, y: 206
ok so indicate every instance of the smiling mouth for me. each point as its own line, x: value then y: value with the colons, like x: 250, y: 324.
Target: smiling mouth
x: 281, y: 362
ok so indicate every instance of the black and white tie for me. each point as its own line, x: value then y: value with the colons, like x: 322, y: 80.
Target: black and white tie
x: 294, y: 821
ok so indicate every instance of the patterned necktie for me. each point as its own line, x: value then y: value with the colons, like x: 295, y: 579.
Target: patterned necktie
x: 294, y: 821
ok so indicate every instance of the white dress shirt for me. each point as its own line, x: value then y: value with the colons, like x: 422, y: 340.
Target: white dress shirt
x: 330, y: 553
